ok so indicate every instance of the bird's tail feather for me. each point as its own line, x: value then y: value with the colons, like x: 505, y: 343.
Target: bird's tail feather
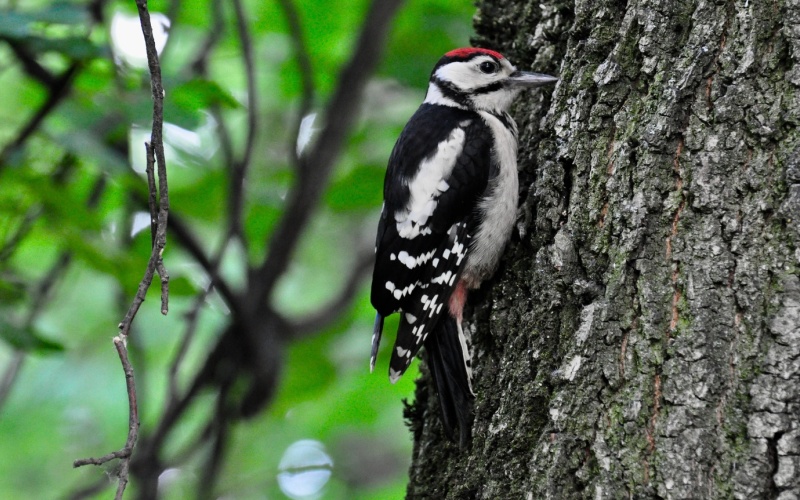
x: 447, y: 356
x: 377, y: 331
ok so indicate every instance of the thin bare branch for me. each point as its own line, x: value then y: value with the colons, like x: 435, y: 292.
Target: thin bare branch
x: 133, y: 423
x: 152, y: 203
x: 316, y: 168
x: 157, y: 146
x: 154, y: 211
x: 248, y: 351
x: 155, y: 153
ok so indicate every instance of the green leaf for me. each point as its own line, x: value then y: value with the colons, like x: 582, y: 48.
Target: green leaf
x: 62, y: 13
x: 14, y: 24
x: 11, y: 291
x: 361, y: 189
x: 181, y: 287
x: 75, y: 47
x: 198, y: 94
x: 204, y: 199
x: 26, y: 339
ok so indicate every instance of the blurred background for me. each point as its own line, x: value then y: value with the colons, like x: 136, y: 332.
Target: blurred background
x: 74, y: 239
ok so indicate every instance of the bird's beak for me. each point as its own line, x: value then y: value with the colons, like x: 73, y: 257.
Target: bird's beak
x: 527, y: 79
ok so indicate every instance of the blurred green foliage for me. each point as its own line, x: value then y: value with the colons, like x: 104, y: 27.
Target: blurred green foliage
x: 67, y: 215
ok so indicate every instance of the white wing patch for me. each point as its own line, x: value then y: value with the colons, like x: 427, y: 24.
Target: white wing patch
x: 426, y: 186
x: 411, y: 262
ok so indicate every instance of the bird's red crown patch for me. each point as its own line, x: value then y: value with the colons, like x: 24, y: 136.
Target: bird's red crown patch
x: 467, y: 52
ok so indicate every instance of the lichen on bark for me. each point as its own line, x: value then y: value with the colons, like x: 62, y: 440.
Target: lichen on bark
x: 642, y: 337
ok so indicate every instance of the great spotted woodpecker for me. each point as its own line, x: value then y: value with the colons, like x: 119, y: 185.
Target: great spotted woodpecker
x: 450, y: 202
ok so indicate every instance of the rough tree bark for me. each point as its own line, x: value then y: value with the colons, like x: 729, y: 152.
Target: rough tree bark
x: 642, y: 338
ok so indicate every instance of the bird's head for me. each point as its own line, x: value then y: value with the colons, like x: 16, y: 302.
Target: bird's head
x: 479, y: 79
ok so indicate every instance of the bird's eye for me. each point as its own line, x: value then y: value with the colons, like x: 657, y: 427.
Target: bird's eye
x: 488, y: 67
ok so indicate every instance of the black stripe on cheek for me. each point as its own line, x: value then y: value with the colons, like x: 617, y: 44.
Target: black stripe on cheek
x: 492, y: 87
x: 451, y: 92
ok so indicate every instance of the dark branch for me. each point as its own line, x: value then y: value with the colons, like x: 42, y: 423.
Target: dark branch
x: 219, y: 439
x: 192, y: 318
x: 184, y: 236
x: 59, y: 90
x: 315, y: 169
x: 58, y: 87
x: 215, y: 32
x: 240, y: 167
x: 306, y: 72
x: 30, y: 65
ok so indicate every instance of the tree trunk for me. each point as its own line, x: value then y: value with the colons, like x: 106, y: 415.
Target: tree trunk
x: 642, y: 337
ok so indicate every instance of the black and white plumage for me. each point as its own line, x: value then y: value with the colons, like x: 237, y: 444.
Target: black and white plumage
x: 450, y: 202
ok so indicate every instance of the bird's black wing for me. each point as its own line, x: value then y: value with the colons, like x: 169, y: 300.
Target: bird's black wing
x: 427, y: 220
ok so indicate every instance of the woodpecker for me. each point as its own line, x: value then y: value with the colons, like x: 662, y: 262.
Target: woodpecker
x: 450, y: 202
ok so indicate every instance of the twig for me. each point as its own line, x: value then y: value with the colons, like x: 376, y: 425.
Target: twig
x: 155, y: 154
x: 157, y: 146
x: 316, y: 168
x: 152, y: 192
x: 133, y: 423
x: 154, y: 212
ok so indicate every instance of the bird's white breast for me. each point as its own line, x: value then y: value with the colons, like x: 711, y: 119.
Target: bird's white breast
x: 498, y: 207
